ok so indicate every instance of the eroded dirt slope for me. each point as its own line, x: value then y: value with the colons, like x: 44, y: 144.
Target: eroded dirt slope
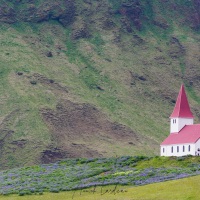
x: 81, y: 130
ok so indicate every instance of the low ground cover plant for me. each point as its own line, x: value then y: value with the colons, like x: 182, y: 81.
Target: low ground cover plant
x: 73, y: 174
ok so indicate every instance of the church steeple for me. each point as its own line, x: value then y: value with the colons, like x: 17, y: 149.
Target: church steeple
x: 181, y: 114
x: 182, y: 108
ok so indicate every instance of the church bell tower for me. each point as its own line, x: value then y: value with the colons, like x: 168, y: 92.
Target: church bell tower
x: 181, y: 114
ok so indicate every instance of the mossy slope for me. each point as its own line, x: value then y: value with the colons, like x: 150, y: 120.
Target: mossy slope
x: 127, y: 59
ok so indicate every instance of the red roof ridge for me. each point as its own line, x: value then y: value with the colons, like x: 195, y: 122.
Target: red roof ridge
x: 188, y: 134
x: 182, y: 108
x: 193, y: 125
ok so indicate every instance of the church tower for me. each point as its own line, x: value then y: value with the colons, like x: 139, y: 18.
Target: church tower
x: 181, y: 114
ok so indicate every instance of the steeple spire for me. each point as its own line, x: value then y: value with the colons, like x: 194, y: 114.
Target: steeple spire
x: 182, y: 108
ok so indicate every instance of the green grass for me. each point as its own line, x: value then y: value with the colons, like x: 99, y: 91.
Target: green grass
x: 98, y: 43
x: 192, y: 93
x: 184, y: 189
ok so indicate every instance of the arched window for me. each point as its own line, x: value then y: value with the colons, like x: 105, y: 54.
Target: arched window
x: 189, y: 148
x: 177, y: 148
x: 163, y: 150
x: 172, y: 149
x: 183, y: 148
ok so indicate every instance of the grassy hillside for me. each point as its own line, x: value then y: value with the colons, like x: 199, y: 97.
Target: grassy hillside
x: 100, y: 84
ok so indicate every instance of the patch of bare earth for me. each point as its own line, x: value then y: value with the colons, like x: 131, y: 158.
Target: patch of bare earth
x: 81, y: 130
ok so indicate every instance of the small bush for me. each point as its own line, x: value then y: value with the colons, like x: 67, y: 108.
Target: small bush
x: 21, y: 193
x: 33, y: 82
x: 180, y: 158
x: 19, y: 73
x: 54, y: 190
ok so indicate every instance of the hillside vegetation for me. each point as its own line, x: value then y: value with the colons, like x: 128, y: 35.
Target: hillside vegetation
x: 81, y: 174
x: 187, y: 188
x: 90, y: 78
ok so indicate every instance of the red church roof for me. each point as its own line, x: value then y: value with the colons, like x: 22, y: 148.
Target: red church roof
x: 182, y: 108
x: 188, y: 134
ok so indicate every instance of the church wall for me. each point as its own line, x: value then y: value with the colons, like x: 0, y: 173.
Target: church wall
x: 197, y: 148
x: 183, y: 149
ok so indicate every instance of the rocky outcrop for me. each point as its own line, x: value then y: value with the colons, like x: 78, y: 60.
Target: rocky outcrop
x: 176, y: 48
x: 80, y: 30
x: 132, y: 11
x: 196, y: 15
x: 7, y: 14
x: 190, y: 11
x: 28, y: 11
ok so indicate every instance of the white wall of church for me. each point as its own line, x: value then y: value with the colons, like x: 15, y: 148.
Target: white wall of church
x: 176, y: 124
x: 179, y: 149
x: 197, y: 148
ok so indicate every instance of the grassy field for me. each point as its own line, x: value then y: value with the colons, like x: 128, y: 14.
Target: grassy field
x: 183, y: 189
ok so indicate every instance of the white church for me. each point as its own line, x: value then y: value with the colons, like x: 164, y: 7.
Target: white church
x: 184, y: 138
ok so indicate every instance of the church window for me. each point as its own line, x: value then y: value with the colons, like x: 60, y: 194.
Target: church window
x: 189, y: 148
x: 163, y: 150
x: 177, y: 148
x: 183, y: 148
x: 172, y: 149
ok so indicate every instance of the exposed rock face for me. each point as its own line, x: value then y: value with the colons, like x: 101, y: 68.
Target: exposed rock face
x: 7, y: 14
x: 176, y: 48
x: 80, y: 30
x: 62, y: 11
x: 52, y: 155
x: 196, y: 15
x: 190, y: 11
x: 132, y: 11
